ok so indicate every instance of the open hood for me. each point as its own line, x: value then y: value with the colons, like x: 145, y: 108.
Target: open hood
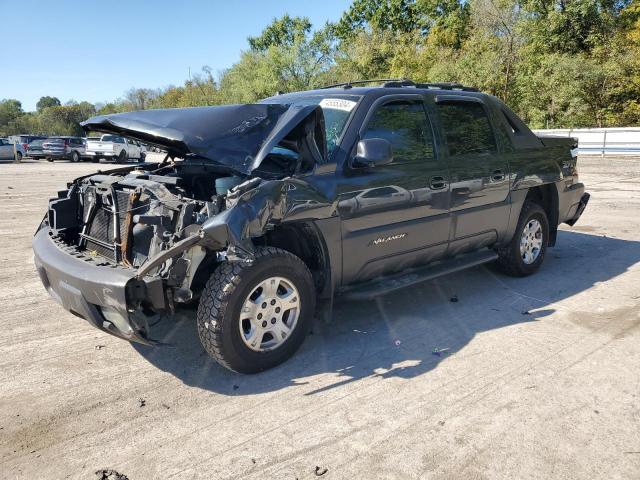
x: 237, y: 136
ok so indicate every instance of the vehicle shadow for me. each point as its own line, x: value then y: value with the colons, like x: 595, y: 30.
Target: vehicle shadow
x: 408, y: 332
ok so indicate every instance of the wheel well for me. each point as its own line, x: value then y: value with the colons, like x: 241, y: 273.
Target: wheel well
x: 305, y: 242
x: 547, y: 197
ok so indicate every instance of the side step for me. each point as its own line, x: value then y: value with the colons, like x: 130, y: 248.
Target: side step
x: 384, y: 285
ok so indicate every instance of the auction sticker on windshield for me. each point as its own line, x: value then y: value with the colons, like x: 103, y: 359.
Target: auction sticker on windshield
x: 338, y: 104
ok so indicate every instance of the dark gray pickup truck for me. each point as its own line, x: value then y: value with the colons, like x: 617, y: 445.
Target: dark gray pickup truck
x: 263, y: 213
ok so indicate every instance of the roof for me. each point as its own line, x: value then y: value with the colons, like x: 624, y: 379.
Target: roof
x: 390, y: 86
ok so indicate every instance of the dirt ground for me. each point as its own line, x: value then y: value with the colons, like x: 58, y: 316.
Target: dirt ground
x: 532, y: 378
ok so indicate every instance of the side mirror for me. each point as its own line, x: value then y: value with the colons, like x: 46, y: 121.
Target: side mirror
x: 372, y: 152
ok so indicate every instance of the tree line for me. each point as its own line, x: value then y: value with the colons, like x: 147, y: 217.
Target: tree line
x: 557, y: 63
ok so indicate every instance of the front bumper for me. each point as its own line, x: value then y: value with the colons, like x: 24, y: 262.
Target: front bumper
x: 95, y: 292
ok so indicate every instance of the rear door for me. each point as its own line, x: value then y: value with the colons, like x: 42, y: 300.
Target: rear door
x: 479, y: 173
x: 395, y: 216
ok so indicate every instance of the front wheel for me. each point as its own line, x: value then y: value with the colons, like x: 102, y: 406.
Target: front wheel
x: 252, y: 317
x: 525, y: 253
x: 75, y: 157
x: 142, y: 158
x: 122, y: 158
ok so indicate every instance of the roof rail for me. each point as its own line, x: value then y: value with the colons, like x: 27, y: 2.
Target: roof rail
x: 447, y: 86
x: 404, y: 82
x: 363, y: 82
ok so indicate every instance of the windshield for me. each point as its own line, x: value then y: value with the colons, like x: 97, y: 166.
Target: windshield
x: 336, y: 109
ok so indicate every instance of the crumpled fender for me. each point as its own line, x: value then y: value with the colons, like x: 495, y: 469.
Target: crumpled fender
x: 264, y: 207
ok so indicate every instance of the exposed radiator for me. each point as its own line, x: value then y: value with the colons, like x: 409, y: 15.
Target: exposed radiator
x: 100, y: 236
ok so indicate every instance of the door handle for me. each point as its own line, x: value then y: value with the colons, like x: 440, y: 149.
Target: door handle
x: 437, y: 182
x: 497, y: 175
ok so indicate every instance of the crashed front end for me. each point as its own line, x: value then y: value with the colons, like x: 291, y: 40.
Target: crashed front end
x: 122, y: 248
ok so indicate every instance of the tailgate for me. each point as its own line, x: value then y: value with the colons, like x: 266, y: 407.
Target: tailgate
x: 100, y: 147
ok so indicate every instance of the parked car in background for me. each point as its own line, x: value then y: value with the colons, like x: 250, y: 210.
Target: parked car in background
x: 35, y: 149
x: 7, y: 152
x: 64, y: 148
x: 114, y: 147
x: 25, y: 141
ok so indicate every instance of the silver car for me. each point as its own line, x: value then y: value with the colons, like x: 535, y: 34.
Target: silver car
x: 7, y: 152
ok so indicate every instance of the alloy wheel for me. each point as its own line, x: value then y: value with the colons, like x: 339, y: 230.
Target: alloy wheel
x: 269, y: 314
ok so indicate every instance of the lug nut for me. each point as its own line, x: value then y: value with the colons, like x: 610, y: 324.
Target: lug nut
x: 264, y: 305
x: 273, y: 321
x: 273, y: 302
x: 259, y: 316
x: 264, y: 324
x: 277, y: 309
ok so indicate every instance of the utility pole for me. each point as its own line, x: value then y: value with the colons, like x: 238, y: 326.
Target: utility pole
x: 15, y: 153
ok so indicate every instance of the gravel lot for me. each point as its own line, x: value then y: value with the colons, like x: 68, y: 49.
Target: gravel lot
x: 540, y: 377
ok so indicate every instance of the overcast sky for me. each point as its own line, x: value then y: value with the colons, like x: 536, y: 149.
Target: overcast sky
x: 96, y: 51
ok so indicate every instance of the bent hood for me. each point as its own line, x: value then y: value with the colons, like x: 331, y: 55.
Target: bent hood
x: 238, y: 136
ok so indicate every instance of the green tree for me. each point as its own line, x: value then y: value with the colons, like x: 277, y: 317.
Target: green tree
x: 281, y: 32
x: 46, y: 102
x: 10, y: 109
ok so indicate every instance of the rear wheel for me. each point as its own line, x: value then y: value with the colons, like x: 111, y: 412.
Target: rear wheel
x: 19, y: 156
x: 122, y: 158
x: 49, y: 159
x: 254, y: 317
x: 75, y: 157
x: 142, y: 158
x: 525, y: 253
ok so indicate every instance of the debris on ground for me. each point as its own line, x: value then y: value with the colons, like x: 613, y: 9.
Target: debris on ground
x: 142, y: 402
x: 398, y: 343
x: 109, y: 474
x: 454, y: 299
x: 100, y: 347
x: 441, y: 423
x: 526, y: 312
x: 440, y: 351
x: 320, y: 471
x: 166, y: 406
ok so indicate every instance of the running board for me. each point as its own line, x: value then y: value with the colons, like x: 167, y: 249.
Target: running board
x: 384, y: 285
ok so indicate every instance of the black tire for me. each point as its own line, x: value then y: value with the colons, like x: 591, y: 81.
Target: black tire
x: 75, y: 157
x: 142, y: 158
x: 218, y: 314
x: 95, y: 159
x: 122, y: 158
x: 18, y: 156
x: 49, y: 159
x: 510, y: 259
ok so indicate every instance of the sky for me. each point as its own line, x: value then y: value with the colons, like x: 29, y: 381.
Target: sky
x: 96, y: 51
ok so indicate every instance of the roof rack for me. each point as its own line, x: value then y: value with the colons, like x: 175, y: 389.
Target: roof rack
x: 404, y: 82
x: 363, y: 82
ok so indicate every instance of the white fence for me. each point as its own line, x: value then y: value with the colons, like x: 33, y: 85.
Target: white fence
x: 602, y: 141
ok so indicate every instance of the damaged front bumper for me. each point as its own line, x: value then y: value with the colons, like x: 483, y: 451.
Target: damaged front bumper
x: 104, y: 295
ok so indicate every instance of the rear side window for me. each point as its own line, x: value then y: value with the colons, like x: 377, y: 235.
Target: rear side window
x: 404, y: 125
x: 466, y: 128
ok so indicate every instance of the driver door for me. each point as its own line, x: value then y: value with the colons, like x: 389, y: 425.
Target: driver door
x: 396, y: 215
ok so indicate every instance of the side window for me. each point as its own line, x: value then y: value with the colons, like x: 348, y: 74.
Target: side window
x: 466, y: 128
x: 404, y: 125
